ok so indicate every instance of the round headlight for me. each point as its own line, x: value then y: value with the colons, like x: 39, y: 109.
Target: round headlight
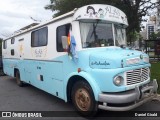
x: 118, y: 80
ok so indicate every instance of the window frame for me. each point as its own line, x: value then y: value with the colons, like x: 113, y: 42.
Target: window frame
x: 57, y: 35
x: 38, y: 37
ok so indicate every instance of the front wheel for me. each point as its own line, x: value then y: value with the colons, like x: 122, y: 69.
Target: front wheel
x: 18, y: 79
x: 83, y: 99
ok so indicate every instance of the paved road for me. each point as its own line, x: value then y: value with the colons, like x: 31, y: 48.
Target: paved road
x: 29, y: 98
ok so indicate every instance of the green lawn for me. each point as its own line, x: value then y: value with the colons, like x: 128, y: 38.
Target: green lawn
x: 155, y: 73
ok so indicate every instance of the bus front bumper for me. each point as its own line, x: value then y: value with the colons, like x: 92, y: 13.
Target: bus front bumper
x: 128, y: 100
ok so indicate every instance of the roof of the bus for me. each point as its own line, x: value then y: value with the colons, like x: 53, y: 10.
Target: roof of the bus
x: 28, y: 26
x: 34, y: 26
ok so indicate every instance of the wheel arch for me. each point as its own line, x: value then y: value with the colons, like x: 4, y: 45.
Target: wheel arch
x: 15, y: 70
x: 81, y: 76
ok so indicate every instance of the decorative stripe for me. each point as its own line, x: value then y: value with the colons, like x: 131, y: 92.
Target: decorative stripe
x: 36, y: 60
x: 45, y: 60
x: 12, y: 58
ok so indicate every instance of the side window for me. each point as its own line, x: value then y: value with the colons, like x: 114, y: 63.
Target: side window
x: 62, y: 31
x: 39, y: 37
x: 34, y: 39
x: 43, y: 37
x: 12, y: 52
x: 5, y: 44
x: 12, y: 40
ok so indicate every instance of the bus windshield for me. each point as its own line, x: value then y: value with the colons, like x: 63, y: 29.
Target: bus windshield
x: 100, y: 34
x: 96, y: 34
x: 120, y: 35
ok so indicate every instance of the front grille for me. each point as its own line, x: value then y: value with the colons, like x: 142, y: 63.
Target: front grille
x: 137, y: 76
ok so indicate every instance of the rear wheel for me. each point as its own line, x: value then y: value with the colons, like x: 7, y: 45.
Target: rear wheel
x: 83, y: 99
x: 1, y: 72
x: 18, y: 79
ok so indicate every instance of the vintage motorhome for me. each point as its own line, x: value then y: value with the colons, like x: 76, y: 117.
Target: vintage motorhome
x: 81, y: 57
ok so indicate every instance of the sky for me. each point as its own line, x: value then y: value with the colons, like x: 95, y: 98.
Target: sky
x: 15, y: 14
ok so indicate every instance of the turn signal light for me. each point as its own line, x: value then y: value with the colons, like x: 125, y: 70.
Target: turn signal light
x: 79, y: 70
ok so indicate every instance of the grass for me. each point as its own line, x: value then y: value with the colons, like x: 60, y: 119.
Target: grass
x: 155, y: 73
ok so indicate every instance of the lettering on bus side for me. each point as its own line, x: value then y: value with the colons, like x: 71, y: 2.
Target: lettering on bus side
x: 100, y: 63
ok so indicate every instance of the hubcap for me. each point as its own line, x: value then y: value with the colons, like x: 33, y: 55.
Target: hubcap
x: 83, y: 100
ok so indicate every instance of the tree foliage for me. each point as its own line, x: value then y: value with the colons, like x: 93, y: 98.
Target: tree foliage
x: 134, y: 9
x: 155, y: 36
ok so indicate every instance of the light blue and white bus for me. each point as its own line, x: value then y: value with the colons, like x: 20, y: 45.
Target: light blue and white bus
x: 81, y: 57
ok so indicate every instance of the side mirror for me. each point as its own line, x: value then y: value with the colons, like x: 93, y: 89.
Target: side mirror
x: 64, y: 42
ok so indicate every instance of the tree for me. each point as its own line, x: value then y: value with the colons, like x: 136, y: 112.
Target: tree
x: 155, y: 36
x: 134, y: 9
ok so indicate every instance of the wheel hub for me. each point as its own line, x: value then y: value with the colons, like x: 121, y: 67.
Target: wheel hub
x: 83, y: 99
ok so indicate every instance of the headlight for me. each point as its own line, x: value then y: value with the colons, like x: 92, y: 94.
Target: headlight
x: 118, y: 80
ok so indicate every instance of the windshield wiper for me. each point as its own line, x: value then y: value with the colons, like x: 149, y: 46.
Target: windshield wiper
x: 94, y: 29
x: 125, y: 46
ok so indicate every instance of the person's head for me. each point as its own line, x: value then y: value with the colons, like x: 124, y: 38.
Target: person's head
x: 90, y: 9
x: 101, y: 11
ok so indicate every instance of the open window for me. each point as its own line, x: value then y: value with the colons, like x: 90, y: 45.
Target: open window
x: 62, y: 34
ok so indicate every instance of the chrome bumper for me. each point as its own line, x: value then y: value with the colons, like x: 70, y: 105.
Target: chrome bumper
x: 137, y: 97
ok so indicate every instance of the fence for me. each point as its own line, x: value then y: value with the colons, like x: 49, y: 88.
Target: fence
x: 152, y: 48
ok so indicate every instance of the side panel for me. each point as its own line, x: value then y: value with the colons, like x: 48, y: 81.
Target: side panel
x: 53, y: 78
x: 38, y: 65
x: 46, y: 75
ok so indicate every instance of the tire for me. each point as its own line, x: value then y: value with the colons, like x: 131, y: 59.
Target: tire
x: 1, y: 72
x: 83, y: 99
x: 18, y: 79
